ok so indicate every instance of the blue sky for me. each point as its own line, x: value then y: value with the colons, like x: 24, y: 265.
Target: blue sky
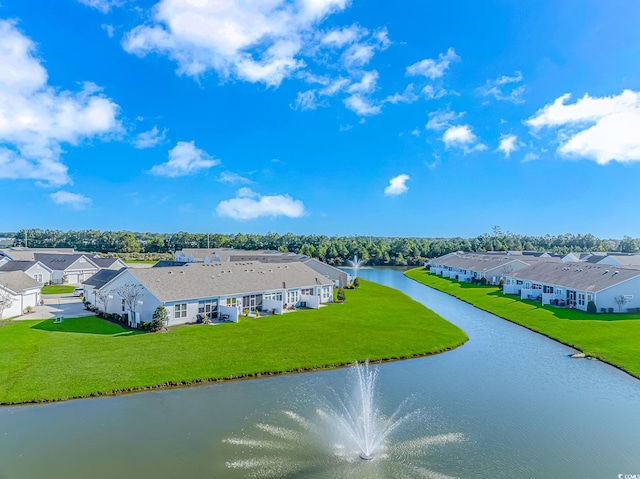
x: 337, y: 117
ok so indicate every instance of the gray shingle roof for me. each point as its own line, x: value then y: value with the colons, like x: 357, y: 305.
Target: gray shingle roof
x: 60, y: 262
x: 578, y: 276
x: 206, y: 280
x: 230, y: 254
x: 102, y: 277
x: 104, y: 262
x: 476, y: 261
x: 17, y: 265
x: 17, y: 281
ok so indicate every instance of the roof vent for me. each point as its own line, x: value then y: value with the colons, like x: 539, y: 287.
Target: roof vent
x: 181, y: 272
x: 170, y: 272
x: 606, y: 271
x: 616, y: 272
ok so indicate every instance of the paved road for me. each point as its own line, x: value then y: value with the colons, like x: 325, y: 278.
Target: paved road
x: 56, y: 305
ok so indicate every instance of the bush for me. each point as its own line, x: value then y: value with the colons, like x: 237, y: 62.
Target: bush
x: 341, y: 296
x: 483, y: 281
x: 603, y: 310
x: 610, y: 310
x: 591, y: 307
x: 356, y: 283
x: 159, y: 319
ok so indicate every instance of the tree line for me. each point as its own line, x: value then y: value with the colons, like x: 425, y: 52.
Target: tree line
x: 334, y: 250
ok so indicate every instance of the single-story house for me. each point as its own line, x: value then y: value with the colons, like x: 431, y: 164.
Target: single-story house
x: 476, y: 266
x: 68, y: 268
x: 18, y: 291
x: 576, y: 284
x: 20, y: 253
x: 96, y: 282
x: 108, y: 263
x: 35, y: 269
x: 217, y: 255
x: 218, y: 289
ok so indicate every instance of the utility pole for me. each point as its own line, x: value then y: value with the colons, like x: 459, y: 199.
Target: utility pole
x: 207, y: 240
x: 26, y: 245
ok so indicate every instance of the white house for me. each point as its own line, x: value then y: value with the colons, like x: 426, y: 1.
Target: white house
x: 18, y: 291
x: 217, y: 289
x: 576, y: 284
x: 476, y: 266
x: 68, y: 268
x: 35, y: 269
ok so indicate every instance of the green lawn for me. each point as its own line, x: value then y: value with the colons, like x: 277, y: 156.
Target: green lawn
x: 41, y: 361
x: 58, y: 289
x: 614, y: 338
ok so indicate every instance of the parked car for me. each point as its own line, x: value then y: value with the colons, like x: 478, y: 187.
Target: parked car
x: 78, y: 292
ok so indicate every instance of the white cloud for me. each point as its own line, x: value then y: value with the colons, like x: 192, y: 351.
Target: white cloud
x: 433, y: 68
x: 415, y: 132
x: 109, y: 29
x: 362, y: 106
x: 602, y: 129
x: 367, y: 84
x: 103, y: 5
x: 462, y: 137
x: 255, y: 41
x: 397, y: 185
x: 74, y: 200
x: 149, y: 139
x: 340, y: 37
x: 508, y: 144
x: 503, y: 88
x: 430, y: 92
x: 441, y: 119
x: 408, y: 96
x: 248, y: 205
x: 530, y: 157
x: 184, y: 159
x: 308, y: 100
x: 36, y: 119
x: 233, y: 178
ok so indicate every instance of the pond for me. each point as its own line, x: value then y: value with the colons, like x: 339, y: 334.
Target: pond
x: 524, y: 407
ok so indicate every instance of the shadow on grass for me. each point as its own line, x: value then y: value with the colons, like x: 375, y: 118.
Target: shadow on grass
x: 86, y: 325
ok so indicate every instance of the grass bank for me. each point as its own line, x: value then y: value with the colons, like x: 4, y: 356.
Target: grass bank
x: 58, y: 289
x: 42, y: 361
x: 609, y: 337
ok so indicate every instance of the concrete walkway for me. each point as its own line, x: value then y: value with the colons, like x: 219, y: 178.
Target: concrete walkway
x: 56, y: 305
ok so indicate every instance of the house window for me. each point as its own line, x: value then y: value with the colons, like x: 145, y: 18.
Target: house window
x: 207, y: 306
x: 122, y: 304
x: 180, y: 311
x: 547, y: 289
x: 326, y: 292
x: 38, y: 278
x: 307, y: 291
x: 273, y: 296
x: 589, y: 297
x: 558, y: 291
x: 292, y: 297
x: 527, y: 285
x: 519, y: 282
x: 581, y: 299
x: 232, y: 302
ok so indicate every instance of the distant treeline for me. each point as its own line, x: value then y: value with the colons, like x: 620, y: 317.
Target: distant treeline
x: 331, y: 249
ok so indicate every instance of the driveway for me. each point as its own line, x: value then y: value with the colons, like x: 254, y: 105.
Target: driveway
x: 56, y: 305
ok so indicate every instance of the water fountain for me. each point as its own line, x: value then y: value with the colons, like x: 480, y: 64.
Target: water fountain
x: 349, y: 436
x: 355, y: 264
